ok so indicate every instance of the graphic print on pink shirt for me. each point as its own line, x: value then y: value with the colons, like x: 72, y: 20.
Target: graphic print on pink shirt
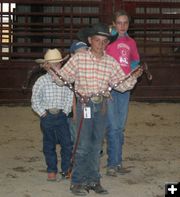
x: 124, y: 50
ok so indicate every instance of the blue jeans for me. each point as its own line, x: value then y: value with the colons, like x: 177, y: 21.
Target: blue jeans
x: 87, y: 159
x: 72, y: 128
x: 55, y: 130
x: 117, y: 112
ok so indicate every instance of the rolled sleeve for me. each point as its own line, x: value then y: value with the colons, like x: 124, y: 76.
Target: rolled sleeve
x: 124, y: 82
x: 127, y: 84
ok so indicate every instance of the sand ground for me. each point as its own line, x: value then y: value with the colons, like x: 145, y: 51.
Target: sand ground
x: 151, y: 152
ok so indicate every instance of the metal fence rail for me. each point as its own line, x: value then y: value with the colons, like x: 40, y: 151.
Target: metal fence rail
x: 28, y: 28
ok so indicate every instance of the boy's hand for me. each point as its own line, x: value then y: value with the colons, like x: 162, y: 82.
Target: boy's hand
x: 137, y: 72
x: 74, y: 118
x: 44, y: 115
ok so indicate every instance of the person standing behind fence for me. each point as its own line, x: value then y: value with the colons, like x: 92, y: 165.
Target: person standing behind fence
x: 76, y: 47
x: 125, y: 51
x: 53, y: 104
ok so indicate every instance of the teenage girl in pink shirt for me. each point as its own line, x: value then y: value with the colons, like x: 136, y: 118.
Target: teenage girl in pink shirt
x: 124, y: 50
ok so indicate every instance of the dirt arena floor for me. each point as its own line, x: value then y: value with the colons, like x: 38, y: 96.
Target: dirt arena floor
x: 151, y: 152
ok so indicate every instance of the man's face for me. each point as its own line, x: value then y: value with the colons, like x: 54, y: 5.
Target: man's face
x: 98, y: 43
x: 122, y: 24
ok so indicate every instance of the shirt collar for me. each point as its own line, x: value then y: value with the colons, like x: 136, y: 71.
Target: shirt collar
x: 93, y: 56
x: 126, y: 34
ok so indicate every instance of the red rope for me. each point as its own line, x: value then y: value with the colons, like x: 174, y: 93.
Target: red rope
x: 75, y: 146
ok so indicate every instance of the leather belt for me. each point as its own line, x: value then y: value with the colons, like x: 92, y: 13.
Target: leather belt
x: 54, y: 111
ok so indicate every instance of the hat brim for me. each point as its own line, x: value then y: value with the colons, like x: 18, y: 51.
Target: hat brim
x: 42, y: 61
x: 81, y: 47
x: 83, y: 34
x: 93, y: 32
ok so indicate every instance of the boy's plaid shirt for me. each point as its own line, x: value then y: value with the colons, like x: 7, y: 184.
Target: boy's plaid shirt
x: 46, y: 94
x: 92, y: 75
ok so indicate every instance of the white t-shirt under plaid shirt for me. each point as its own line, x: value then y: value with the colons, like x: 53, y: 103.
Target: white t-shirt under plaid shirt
x: 46, y: 94
x: 92, y: 75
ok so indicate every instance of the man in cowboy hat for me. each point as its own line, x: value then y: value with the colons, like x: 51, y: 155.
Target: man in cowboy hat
x: 53, y: 104
x: 94, y: 73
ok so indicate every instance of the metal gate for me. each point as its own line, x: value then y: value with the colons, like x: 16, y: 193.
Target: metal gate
x: 28, y: 29
x: 156, y: 27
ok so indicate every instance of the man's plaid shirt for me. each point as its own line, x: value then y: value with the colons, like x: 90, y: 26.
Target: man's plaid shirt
x: 92, y: 75
x: 46, y: 94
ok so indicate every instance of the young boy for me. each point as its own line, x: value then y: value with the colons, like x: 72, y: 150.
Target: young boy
x: 93, y: 72
x: 53, y: 104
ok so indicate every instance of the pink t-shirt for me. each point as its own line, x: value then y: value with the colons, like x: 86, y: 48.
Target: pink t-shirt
x: 124, y: 50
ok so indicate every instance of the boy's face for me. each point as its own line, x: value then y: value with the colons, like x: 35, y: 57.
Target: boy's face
x: 54, y: 65
x: 98, y: 43
x: 82, y: 49
x: 122, y: 24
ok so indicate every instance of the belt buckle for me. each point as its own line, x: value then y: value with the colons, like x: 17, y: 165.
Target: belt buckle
x: 53, y: 111
x: 97, y: 99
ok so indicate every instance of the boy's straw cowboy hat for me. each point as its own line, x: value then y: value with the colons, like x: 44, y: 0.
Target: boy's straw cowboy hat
x: 51, y: 56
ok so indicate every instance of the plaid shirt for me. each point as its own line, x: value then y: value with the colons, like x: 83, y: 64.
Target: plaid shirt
x: 92, y: 75
x: 47, y: 95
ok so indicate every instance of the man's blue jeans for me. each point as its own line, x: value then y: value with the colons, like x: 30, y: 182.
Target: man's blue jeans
x: 117, y: 111
x: 87, y: 158
x: 55, y: 130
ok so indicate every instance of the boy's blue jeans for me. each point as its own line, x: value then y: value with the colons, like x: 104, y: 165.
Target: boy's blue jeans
x: 117, y: 111
x: 55, y: 130
x: 87, y: 158
x: 72, y: 128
